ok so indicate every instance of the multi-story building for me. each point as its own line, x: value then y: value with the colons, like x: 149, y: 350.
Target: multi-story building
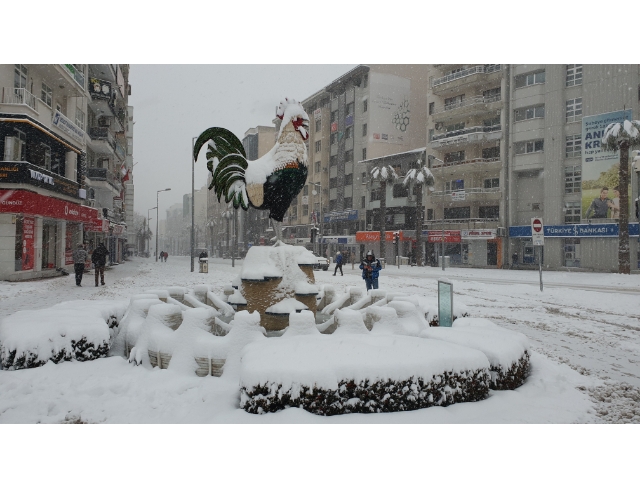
x: 175, y: 238
x: 510, y: 144
x: 44, y: 118
x: 370, y: 112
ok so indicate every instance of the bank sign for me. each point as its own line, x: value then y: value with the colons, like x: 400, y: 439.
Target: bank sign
x: 575, y: 231
x: 340, y: 216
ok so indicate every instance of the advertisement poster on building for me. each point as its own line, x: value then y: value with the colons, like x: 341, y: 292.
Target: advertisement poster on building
x: 600, y: 192
x: 28, y: 235
x: 390, y: 108
x: 68, y: 245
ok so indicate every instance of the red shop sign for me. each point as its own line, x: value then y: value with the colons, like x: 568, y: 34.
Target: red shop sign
x: 375, y: 236
x: 450, y: 236
x: 29, y: 203
x: 97, y: 225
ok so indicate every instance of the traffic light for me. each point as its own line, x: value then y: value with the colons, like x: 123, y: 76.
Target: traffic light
x: 314, y: 231
x: 396, y: 238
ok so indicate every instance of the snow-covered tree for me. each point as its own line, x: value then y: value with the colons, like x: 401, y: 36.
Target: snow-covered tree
x: 623, y: 136
x: 419, y: 177
x: 383, y: 174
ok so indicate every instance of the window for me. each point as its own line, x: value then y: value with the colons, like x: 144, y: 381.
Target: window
x: 333, y: 205
x: 305, y: 191
x: 348, y: 202
x: 574, y: 74
x: 334, y: 116
x: 455, y: 185
x: 430, y: 214
x: 459, y: 213
x: 348, y: 179
x: 317, y: 166
x: 350, y: 109
x: 530, y: 79
x: 454, y: 127
x: 432, y: 107
x: 333, y: 183
x: 529, y: 113
x: 574, y: 109
x: 20, y: 76
x: 571, y: 252
x: 400, y: 191
x: 333, y: 138
x: 491, y: 124
x: 365, y: 81
x: 363, y: 201
x: 305, y: 210
x: 454, y: 156
x: 79, y: 118
x: 489, y: 212
x: 365, y: 105
x: 431, y: 131
x: 491, y: 95
x: 529, y: 147
x: 375, y: 194
x: 333, y: 160
x: 492, y: 183
x: 364, y: 154
x: 491, y: 153
x: 46, y: 94
x: 572, y: 211
x: 453, y: 102
x: 348, y: 156
x: 348, y: 133
x: 364, y: 129
x: 318, y: 146
x: 572, y: 179
x: 573, y: 146
x: 318, y: 125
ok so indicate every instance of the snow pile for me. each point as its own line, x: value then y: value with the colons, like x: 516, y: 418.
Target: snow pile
x: 410, y: 320
x: 429, y: 306
x: 236, y: 298
x: 383, y: 320
x: 131, y: 325
x: 302, y: 323
x: 330, y: 375
x: 305, y: 288
x: 67, y: 332
x: 245, y: 328
x: 286, y: 306
x: 280, y: 260
x: 349, y: 322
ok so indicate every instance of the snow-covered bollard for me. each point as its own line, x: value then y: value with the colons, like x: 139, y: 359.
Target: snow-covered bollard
x: 302, y: 323
x: 277, y: 316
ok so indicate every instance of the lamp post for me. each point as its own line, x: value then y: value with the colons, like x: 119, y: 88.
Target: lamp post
x: 228, y: 215
x: 433, y: 158
x: 157, y: 205
x: 149, y: 227
x: 320, y: 217
x: 193, y: 164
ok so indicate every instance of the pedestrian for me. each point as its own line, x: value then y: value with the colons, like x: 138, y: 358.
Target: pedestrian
x: 203, y: 255
x: 79, y: 258
x: 338, y: 264
x: 514, y: 260
x: 162, y: 256
x: 99, y: 259
x: 370, y: 270
x: 165, y: 256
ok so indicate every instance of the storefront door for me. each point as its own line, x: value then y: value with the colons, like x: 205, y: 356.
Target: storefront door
x: 492, y: 253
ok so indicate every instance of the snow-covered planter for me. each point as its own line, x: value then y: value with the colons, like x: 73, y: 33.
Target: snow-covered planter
x: 359, y: 373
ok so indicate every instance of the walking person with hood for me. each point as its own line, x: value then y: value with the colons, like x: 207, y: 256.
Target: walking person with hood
x: 99, y: 259
x: 370, y: 270
x: 79, y: 258
x: 338, y: 264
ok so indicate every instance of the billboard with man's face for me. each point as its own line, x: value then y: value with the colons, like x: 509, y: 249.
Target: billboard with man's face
x: 600, y: 192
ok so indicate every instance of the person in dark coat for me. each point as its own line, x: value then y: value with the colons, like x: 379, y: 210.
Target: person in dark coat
x: 203, y: 255
x: 79, y: 258
x: 370, y: 270
x: 99, y: 259
x: 338, y: 264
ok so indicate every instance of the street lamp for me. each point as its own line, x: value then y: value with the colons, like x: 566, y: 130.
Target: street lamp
x: 149, y: 227
x: 228, y: 215
x: 193, y: 164
x: 157, y: 204
x: 434, y: 158
x: 314, y: 192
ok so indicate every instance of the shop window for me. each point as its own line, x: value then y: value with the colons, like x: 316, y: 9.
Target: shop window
x: 572, y: 252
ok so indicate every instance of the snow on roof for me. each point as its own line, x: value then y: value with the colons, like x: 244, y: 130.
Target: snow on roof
x: 286, y: 306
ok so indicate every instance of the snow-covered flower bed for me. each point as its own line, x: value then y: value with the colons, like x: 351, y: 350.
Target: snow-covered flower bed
x: 74, y: 330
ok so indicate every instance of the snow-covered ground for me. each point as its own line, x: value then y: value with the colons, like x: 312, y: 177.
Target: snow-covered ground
x: 584, y: 330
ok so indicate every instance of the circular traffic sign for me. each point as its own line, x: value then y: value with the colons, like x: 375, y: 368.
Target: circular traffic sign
x: 537, y: 225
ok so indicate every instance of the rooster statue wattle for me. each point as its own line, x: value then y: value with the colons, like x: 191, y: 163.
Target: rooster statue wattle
x: 268, y: 183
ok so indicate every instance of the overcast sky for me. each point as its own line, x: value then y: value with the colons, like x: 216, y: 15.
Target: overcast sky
x: 174, y: 103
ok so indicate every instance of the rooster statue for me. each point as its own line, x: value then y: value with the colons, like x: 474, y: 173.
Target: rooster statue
x: 268, y: 183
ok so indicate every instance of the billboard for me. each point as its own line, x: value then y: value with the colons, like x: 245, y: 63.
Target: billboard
x: 390, y: 109
x: 600, y: 192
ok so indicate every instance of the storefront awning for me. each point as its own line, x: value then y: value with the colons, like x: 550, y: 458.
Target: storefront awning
x: 28, y: 203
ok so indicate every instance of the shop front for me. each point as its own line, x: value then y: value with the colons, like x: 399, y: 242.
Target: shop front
x: 43, y: 230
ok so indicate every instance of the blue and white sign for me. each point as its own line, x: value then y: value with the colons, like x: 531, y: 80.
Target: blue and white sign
x: 67, y: 126
x: 340, y: 216
x: 580, y: 231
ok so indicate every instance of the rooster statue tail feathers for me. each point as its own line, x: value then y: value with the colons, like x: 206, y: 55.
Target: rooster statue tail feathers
x: 270, y: 182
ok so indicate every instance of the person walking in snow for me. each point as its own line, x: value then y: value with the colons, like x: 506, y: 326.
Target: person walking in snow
x: 370, y: 270
x: 338, y: 264
x: 99, y: 259
x: 79, y: 258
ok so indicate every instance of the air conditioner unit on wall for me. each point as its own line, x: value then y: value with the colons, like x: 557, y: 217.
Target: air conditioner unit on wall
x: 104, y: 122
x: 370, y: 226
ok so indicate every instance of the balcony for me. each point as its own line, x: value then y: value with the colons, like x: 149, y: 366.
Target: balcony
x: 470, y: 135
x: 75, y: 74
x: 467, y: 107
x: 453, y: 81
x: 478, y: 160
x: 466, y: 191
x: 120, y: 152
x: 18, y: 96
x: 102, y: 134
x: 103, y: 174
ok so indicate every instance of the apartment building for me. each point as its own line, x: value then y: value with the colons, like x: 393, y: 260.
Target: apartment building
x: 508, y: 143
x: 369, y: 112
x: 47, y: 194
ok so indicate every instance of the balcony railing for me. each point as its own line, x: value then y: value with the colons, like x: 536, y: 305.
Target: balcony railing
x: 102, y: 133
x: 480, y: 160
x: 466, y: 191
x: 466, y: 131
x: 120, y: 152
x: 75, y: 74
x: 486, y: 69
x: 18, y: 96
x: 433, y: 223
x: 103, y: 174
x: 467, y: 102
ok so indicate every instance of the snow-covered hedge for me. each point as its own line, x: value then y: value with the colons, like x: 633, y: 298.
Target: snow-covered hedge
x: 361, y: 372
x: 74, y: 330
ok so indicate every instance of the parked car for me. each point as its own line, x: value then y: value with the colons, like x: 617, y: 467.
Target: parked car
x: 322, y: 263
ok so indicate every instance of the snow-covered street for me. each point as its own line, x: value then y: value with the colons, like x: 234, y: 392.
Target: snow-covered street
x: 584, y: 330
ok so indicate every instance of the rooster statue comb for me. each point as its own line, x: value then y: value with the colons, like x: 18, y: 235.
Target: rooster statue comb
x: 270, y: 182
